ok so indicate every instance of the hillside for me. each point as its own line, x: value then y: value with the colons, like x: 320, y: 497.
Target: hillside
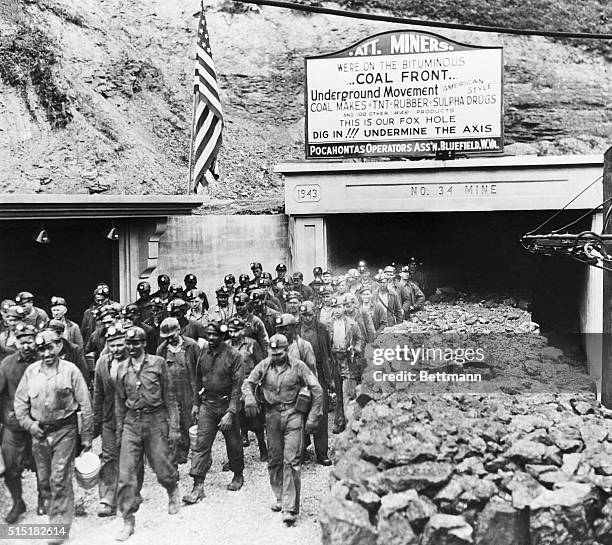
x: 97, y: 93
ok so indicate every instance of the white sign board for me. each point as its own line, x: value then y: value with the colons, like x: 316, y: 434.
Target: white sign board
x: 406, y: 93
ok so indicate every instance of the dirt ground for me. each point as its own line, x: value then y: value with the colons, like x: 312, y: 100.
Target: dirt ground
x: 228, y: 518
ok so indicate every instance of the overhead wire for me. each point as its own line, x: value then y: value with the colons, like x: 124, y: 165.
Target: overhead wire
x: 421, y: 22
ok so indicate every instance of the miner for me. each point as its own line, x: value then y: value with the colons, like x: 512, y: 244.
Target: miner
x: 218, y: 379
x: 16, y: 441
x: 254, y: 327
x: 147, y: 421
x: 180, y: 354
x: 72, y: 332
x: 47, y: 400
x: 281, y: 378
x: 34, y: 316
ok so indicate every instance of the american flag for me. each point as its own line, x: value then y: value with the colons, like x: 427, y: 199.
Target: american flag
x: 208, y: 118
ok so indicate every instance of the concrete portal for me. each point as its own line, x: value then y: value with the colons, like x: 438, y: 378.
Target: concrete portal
x: 342, y: 212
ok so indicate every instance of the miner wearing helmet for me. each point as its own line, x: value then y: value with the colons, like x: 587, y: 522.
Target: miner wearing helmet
x: 254, y: 327
x: 34, y: 316
x: 180, y: 354
x: 16, y: 442
x: 59, y: 309
x: 8, y: 340
x: 298, y: 348
x: 251, y: 355
x: 224, y: 309
x: 218, y: 378
x: 101, y: 297
x: 177, y: 308
x: 163, y: 288
x: 282, y: 378
x: 50, y: 394
x: 147, y: 421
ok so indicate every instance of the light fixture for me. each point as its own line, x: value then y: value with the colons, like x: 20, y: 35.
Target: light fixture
x: 42, y: 237
x: 113, y: 234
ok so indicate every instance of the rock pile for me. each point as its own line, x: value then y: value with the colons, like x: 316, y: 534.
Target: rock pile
x: 467, y: 469
x: 496, y: 340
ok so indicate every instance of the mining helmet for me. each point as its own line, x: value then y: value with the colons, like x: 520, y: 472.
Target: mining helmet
x: 285, y: 320
x: 243, y: 279
x: 135, y: 333
x: 116, y: 331
x: 169, y: 327
x: 190, y: 279
x: 236, y: 323
x: 222, y: 293
x: 56, y: 301
x: 241, y: 298
x: 177, y: 307
x: 163, y: 280
x: 256, y: 265
x: 45, y: 338
x: 293, y: 295
x: 317, y: 271
x: 281, y: 267
x: 143, y: 287
x: 191, y: 295
x: 25, y: 330
x: 57, y: 325
x: 229, y: 279
x: 6, y: 304
x: 23, y: 296
x: 217, y: 326
x: 278, y: 341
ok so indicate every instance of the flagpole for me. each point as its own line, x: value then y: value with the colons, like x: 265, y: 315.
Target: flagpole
x: 189, y: 179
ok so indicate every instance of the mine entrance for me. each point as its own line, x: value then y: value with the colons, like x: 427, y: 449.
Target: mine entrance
x: 77, y: 258
x: 473, y: 252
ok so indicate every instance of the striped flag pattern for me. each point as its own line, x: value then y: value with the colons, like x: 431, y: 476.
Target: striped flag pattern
x: 208, y: 118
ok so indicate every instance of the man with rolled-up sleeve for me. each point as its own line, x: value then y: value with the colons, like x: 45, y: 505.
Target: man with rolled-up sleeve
x: 47, y: 400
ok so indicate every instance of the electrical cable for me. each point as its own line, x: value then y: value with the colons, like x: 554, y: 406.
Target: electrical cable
x: 566, y: 205
x: 583, y: 216
x: 420, y: 22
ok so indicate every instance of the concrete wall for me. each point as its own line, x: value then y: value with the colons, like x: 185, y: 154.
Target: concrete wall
x: 591, y: 315
x: 212, y: 246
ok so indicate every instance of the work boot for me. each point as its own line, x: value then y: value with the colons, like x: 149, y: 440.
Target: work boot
x: 226, y: 466
x: 324, y: 461
x: 263, y: 453
x: 276, y: 506
x: 174, y: 501
x: 18, y: 509
x: 42, y: 508
x: 289, y: 518
x: 106, y: 510
x: 127, y: 530
x: 236, y: 483
x: 245, y: 439
x: 197, y: 494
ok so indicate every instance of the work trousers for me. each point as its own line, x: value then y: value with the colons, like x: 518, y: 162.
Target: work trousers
x: 54, y: 457
x: 285, y: 433
x: 321, y: 435
x: 209, y: 417
x: 345, y: 382
x: 143, y: 434
x: 17, y: 453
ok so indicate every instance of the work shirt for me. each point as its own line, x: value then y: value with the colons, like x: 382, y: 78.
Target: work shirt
x: 74, y: 354
x: 302, y: 350
x: 47, y: 398
x: 221, y: 314
x: 250, y: 351
x: 317, y: 335
x: 104, y: 391
x: 72, y: 333
x: 219, y: 373
x: 326, y: 315
x: 256, y: 329
x: 144, y: 389
x: 12, y: 369
x: 345, y: 335
x: 8, y: 343
x: 305, y: 291
x: 282, y: 383
x: 37, y: 318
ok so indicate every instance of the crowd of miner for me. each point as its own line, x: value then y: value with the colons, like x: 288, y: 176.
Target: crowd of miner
x: 170, y: 359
